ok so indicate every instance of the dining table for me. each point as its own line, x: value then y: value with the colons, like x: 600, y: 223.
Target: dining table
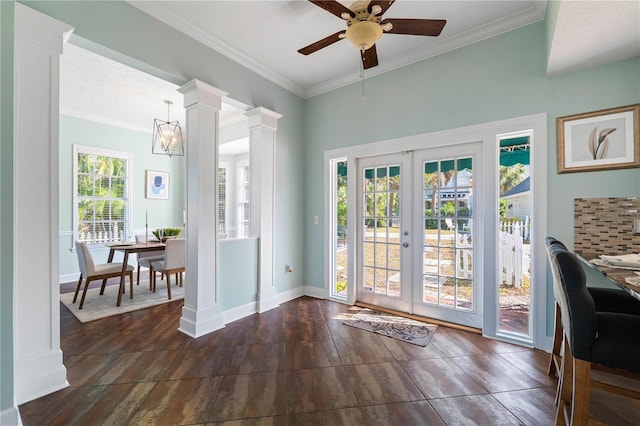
x: 128, y: 248
x: 625, y: 278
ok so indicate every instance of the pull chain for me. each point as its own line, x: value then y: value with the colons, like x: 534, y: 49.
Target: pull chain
x: 362, y: 76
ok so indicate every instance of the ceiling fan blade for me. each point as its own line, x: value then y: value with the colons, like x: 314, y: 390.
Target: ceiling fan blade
x: 369, y: 57
x: 384, y: 5
x: 422, y: 27
x: 333, y: 7
x: 327, y: 41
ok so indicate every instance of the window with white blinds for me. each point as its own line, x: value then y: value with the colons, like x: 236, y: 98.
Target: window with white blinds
x: 101, y: 188
x: 222, y: 199
x: 243, y: 199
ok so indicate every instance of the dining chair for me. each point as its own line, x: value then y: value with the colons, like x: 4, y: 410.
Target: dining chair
x: 145, y: 259
x: 173, y: 263
x: 605, y: 300
x: 606, y: 341
x: 89, y: 271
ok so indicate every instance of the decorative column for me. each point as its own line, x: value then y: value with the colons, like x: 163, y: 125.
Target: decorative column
x: 201, y: 313
x: 263, y: 125
x: 38, y: 44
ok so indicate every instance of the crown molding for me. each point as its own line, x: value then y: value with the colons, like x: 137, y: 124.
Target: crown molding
x: 534, y: 14
x: 158, y: 11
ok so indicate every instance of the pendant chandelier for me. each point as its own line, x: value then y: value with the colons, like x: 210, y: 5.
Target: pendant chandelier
x: 167, y: 136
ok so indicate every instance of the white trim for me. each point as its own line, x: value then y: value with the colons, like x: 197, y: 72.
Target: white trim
x: 158, y: 11
x: 239, y: 312
x: 263, y: 126
x: 317, y: 292
x: 37, y: 358
x: 522, y: 18
x: 10, y: 416
x: 485, y: 132
x: 201, y: 313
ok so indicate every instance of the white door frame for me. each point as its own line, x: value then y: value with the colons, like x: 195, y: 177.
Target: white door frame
x: 487, y: 134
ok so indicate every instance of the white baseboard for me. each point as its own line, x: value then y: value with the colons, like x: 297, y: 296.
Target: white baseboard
x: 10, y: 417
x: 289, y: 295
x: 68, y: 278
x: 318, y: 293
x: 239, y: 312
x: 40, y: 375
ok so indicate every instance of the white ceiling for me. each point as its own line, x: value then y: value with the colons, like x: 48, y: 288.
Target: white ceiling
x: 265, y: 36
x: 99, y: 89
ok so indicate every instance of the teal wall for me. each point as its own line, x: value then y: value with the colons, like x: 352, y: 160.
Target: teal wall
x: 6, y: 207
x: 161, y: 213
x: 237, y: 272
x: 170, y: 54
x: 500, y: 78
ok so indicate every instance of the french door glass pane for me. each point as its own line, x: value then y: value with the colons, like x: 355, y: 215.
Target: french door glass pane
x: 447, y: 221
x: 381, y: 233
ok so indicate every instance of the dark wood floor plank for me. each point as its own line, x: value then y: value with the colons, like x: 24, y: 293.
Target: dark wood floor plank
x: 417, y: 413
x: 257, y: 358
x: 495, y: 374
x: 366, y: 350
x: 167, y: 404
x: 318, y: 389
x: 297, y: 364
x: 441, y: 378
x: 534, y: 407
x: 311, y: 354
x: 381, y: 384
x: 342, y: 417
x: 203, y: 362
x: 250, y: 396
x: 481, y: 410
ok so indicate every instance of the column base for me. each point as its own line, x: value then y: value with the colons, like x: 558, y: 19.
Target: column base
x: 40, y: 376
x: 196, y: 323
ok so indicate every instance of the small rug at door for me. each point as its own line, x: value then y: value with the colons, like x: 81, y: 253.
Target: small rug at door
x: 405, y: 329
x: 97, y: 306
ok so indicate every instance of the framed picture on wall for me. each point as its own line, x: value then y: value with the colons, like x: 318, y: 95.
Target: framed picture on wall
x: 600, y: 140
x: 157, y: 185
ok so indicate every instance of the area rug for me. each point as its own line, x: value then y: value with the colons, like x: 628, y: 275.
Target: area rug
x: 405, y: 329
x: 97, y: 306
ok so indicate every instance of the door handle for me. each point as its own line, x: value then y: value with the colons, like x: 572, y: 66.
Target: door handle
x: 405, y: 245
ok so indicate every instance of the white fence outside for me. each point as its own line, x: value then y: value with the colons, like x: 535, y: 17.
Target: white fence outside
x: 464, y: 256
x: 510, y: 253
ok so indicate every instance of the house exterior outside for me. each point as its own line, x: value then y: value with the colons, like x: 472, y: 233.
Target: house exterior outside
x: 518, y: 200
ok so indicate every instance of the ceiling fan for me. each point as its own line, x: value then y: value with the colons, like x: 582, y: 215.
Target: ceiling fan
x: 365, y: 26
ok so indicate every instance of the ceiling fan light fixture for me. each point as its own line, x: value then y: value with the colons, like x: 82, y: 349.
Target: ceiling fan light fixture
x: 364, y: 34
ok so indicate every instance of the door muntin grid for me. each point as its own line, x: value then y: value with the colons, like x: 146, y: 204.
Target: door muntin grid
x: 381, y: 230
x: 447, y: 271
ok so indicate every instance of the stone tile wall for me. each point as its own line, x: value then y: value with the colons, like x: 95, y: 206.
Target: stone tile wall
x: 605, y: 226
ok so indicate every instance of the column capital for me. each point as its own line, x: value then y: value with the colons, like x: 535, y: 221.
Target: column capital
x: 196, y: 91
x: 41, y: 30
x: 264, y: 117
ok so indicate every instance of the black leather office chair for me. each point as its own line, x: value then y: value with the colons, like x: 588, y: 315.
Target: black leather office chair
x: 603, y: 340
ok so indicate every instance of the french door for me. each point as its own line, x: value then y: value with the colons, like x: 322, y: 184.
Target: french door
x: 416, y: 241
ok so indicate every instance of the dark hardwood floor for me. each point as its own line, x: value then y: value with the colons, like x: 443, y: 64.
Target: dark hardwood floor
x: 297, y: 364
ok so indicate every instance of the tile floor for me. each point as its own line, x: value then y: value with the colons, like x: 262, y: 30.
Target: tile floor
x: 296, y: 365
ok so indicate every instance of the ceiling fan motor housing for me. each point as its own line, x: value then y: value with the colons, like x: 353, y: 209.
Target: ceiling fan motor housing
x: 363, y: 30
